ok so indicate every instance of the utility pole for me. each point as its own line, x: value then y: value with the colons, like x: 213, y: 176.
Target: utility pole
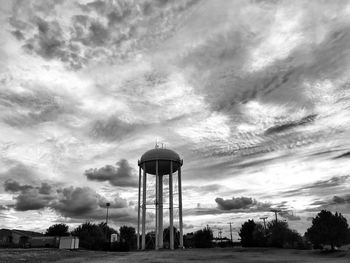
x: 264, y: 218
x: 231, y: 232
x: 220, y: 234
x: 276, y: 211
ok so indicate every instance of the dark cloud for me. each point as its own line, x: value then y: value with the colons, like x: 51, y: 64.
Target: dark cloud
x: 29, y: 197
x: 45, y: 189
x: 235, y: 203
x: 344, y: 155
x: 98, y: 34
x: 109, y: 30
x: 48, y: 42
x: 319, y: 186
x: 117, y: 202
x: 76, y: 201
x: 18, y: 34
x: 290, y: 125
x: 14, y: 186
x: 122, y: 175
x: 18, y: 171
x: 79, y: 202
x: 336, y: 203
x: 112, y: 129
x: 33, y: 107
x: 83, y: 203
x: 341, y: 199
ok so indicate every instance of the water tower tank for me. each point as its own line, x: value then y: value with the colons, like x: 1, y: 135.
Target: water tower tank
x: 164, y: 157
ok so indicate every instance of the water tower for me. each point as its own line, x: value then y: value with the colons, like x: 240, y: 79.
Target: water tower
x: 156, y: 164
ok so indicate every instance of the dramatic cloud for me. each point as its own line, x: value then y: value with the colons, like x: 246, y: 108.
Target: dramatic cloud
x: 341, y: 199
x: 122, y: 175
x: 14, y: 186
x: 235, y: 203
x: 73, y: 202
x: 111, y: 129
x: 29, y: 197
x: 320, y: 186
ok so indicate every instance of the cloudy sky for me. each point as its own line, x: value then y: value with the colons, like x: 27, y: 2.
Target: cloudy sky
x: 254, y: 96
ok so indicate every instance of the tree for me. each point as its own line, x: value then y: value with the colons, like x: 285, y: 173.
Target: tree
x: 108, y: 231
x: 259, y: 236
x: 328, y: 229
x: 203, y: 238
x: 91, y: 236
x: 277, y: 234
x: 57, y: 230
x: 128, y: 236
x: 280, y: 235
x: 246, y: 234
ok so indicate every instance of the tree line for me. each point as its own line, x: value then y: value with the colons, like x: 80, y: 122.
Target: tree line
x: 326, y: 229
x: 97, y: 237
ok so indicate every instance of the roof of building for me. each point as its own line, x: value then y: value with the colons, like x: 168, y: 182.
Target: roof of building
x: 22, y: 232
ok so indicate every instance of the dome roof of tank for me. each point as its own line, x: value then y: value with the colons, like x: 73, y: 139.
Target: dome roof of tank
x: 160, y: 154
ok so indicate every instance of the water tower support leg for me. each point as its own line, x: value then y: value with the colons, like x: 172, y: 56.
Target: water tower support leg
x: 171, y: 207
x: 160, y: 212
x: 156, y: 246
x: 144, y: 208
x: 180, y: 209
x: 138, y: 211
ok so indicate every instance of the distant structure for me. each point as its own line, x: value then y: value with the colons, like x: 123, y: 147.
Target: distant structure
x: 159, y: 162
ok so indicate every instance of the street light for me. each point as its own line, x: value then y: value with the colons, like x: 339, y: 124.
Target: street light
x: 107, y: 205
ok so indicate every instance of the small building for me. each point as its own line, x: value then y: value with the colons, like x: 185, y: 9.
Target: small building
x: 70, y: 242
x: 16, y: 238
x: 115, y: 238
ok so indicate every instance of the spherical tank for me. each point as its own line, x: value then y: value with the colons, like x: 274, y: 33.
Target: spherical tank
x: 164, y: 156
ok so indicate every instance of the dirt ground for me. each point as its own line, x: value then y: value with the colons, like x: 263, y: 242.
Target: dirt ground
x: 188, y: 255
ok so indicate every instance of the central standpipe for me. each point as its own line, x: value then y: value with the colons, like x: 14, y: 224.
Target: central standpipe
x: 157, y: 208
x: 160, y: 213
x: 144, y: 208
x: 171, y: 207
x: 159, y: 162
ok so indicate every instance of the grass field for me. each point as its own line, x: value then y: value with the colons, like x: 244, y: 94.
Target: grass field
x: 188, y: 255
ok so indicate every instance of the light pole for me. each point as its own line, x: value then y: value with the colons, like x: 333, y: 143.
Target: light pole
x: 107, y: 205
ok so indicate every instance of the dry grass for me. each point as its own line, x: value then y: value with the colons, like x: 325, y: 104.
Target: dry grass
x: 189, y: 255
